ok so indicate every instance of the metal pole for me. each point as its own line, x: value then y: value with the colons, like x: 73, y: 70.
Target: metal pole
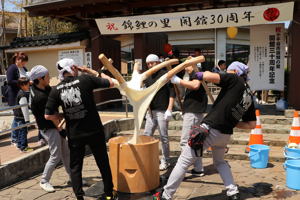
x: 126, y: 106
x: 216, y: 47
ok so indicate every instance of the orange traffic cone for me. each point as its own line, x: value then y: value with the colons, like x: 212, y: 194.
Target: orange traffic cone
x: 295, y: 129
x: 256, y: 136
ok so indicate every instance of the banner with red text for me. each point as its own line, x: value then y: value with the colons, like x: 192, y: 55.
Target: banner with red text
x: 267, y: 51
x: 195, y: 20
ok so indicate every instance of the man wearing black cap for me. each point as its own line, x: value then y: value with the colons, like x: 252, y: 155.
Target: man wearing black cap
x: 83, y: 125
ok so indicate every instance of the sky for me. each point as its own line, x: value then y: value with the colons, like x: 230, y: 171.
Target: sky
x: 8, y: 6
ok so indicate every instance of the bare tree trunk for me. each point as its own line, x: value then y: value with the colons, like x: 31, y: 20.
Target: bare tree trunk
x: 25, y: 19
x: 3, y: 39
x: 20, y: 23
x: 3, y: 24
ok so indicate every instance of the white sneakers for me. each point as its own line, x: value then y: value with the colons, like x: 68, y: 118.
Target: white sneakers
x: 47, y: 187
x: 164, y: 165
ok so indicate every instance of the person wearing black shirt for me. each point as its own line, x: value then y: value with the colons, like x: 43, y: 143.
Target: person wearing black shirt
x: 194, y: 106
x: 58, y: 147
x: 83, y: 125
x: 221, y: 68
x: 233, y: 108
x: 160, y: 110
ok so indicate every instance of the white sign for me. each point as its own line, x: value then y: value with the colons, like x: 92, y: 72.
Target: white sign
x: 267, y: 52
x: 194, y: 20
x: 88, y: 59
x: 75, y: 54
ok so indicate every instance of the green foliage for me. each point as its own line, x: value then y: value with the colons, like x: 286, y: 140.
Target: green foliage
x: 46, y: 26
x: 35, y: 26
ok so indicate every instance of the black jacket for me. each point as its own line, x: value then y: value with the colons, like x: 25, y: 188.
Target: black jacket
x: 12, y: 76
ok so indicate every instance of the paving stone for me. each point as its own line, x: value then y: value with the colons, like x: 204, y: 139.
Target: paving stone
x: 5, y: 197
x: 58, y: 195
x: 26, y: 184
x: 29, y: 194
x: 9, y: 191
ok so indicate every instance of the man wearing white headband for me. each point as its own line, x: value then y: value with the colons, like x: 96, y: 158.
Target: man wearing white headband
x: 55, y: 137
x: 83, y: 125
x: 160, y: 110
x: 233, y: 108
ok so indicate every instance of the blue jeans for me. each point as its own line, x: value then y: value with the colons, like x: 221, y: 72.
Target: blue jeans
x: 21, y: 134
x: 14, y: 137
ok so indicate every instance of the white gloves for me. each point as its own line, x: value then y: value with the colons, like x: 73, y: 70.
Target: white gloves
x: 168, y: 115
x: 175, y: 80
x: 116, y: 83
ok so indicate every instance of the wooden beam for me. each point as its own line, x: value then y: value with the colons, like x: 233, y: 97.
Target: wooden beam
x: 109, y: 8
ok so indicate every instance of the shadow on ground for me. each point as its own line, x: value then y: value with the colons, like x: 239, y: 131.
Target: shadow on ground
x: 257, y: 190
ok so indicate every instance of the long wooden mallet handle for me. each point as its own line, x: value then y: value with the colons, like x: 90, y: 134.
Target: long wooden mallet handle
x: 61, y: 123
x: 154, y: 69
x: 183, y: 65
x: 111, y: 68
x: 177, y: 92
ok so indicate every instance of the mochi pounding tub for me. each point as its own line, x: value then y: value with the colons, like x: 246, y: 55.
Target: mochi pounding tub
x: 134, y: 160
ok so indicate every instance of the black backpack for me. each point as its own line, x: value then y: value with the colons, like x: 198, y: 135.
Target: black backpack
x: 4, y: 92
x: 197, y: 137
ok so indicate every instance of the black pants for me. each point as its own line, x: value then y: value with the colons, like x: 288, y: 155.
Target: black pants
x: 97, y: 145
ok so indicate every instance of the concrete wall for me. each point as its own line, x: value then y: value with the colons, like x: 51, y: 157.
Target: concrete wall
x: 47, y: 55
x: 33, y: 163
x: 45, y: 58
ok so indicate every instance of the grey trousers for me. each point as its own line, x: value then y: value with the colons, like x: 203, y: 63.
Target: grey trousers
x: 59, y: 151
x: 189, y: 120
x: 218, y: 142
x: 156, y: 120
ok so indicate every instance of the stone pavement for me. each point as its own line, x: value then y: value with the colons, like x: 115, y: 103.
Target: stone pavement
x: 254, y: 184
x: 9, y: 152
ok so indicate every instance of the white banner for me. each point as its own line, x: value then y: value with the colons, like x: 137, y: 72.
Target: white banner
x: 88, y: 59
x: 267, y: 53
x: 194, y: 20
x: 75, y: 54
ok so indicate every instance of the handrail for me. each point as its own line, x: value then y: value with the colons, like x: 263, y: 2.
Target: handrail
x: 13, y: 107
x: 33, y: 123
x: 16, y: 128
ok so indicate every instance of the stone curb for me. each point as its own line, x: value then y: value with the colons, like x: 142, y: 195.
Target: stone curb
x: 33, y: 163
x: 22, y: 168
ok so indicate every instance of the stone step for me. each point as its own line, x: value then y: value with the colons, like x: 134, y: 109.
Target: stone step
x: 266, y: 128
x: 273, y: 119
x: 241, y: 138
x: 236, y: 152
x: 265, y: 119
x: 281, y: 119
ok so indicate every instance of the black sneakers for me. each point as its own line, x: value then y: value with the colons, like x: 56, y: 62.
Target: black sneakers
x: 196, y: 173
x: 234, y: 197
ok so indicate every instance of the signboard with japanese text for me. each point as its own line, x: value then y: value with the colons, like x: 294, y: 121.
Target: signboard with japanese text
x: 267, y: 53
x: 75, y: 54
x: 194, y: 20
x: 88, y: 59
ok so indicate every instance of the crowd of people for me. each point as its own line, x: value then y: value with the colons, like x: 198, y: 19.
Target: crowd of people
x: 233, y: 108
